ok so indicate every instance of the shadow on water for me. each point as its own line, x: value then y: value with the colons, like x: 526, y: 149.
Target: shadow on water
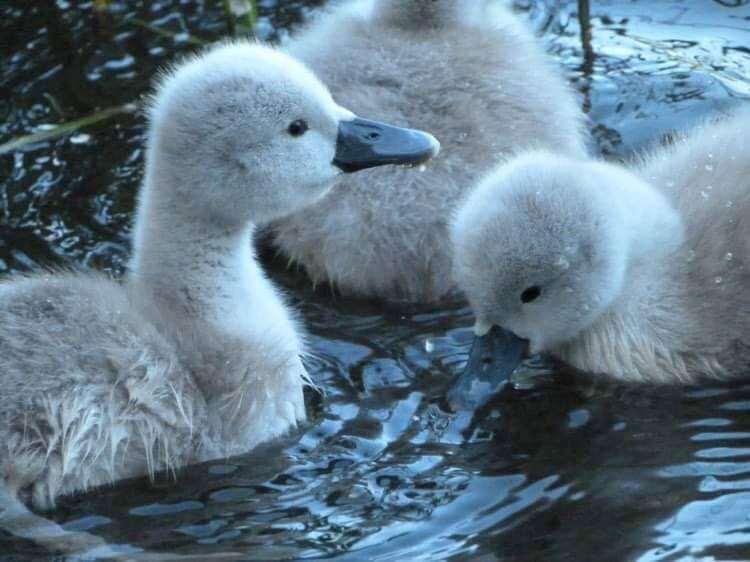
x: 569, y: 470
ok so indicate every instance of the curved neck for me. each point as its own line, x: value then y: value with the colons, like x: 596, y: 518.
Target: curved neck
x: 196, y: 264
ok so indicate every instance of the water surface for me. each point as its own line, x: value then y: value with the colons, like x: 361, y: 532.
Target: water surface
x: 574, y: 469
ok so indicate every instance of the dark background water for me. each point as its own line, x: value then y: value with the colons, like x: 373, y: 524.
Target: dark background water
x: 573, y: 469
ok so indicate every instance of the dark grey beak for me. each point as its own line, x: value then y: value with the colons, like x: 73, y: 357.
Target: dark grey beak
x: 365, y: 144
x: 492, y: 359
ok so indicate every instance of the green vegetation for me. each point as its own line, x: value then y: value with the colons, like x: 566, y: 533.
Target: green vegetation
x: 66, y: 128
x: 170, y: 34
x: 241, y: 17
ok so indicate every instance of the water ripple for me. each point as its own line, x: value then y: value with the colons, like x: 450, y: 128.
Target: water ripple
x: 568, y: 470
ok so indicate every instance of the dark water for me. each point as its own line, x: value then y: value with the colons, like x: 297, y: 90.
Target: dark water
x: 571, y: 470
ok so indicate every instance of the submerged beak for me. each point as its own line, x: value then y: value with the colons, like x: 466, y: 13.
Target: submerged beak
x: 365, y: 144
x: 493, y: 357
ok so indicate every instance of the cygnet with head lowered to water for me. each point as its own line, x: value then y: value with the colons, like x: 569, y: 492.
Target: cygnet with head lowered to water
x: 639, y: 273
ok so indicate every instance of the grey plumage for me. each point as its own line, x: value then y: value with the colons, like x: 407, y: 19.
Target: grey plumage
x: 469, y: 72
x: 195, y: 355
x: 644, y: 272
x: 77, y: 391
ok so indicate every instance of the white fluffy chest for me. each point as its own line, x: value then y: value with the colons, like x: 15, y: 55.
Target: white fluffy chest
x: 248, y: 306
x: 271, y: 402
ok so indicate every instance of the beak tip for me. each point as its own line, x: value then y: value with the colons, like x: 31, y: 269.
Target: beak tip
x: 430, y: 149
x: 435, y: 146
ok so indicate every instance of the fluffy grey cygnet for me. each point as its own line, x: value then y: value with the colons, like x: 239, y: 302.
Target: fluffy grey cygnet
x: 195, y: 355
x: 466, y: 70
x: 639, y: 273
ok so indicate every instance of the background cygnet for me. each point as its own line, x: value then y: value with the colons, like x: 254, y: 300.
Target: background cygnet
x: 641, y: 274
x: 468, y: 71
x: 196, y: 355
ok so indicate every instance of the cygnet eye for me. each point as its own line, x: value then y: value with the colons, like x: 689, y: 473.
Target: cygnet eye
x: 531, y: 294
x: 298, y: 128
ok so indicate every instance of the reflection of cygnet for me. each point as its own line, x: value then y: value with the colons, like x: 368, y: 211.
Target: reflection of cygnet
x: 196, y: 355
x: 642, y: 274
x: 467, y: 71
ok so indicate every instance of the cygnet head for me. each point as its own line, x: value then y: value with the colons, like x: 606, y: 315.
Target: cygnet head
x: 244, y: 133
x: 541, y: 249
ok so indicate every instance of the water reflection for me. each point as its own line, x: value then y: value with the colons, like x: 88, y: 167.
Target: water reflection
x: 569, y: 469
x: 653, y: 68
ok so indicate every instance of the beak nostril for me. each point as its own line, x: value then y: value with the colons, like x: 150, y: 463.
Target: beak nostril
x: 373, y: 136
